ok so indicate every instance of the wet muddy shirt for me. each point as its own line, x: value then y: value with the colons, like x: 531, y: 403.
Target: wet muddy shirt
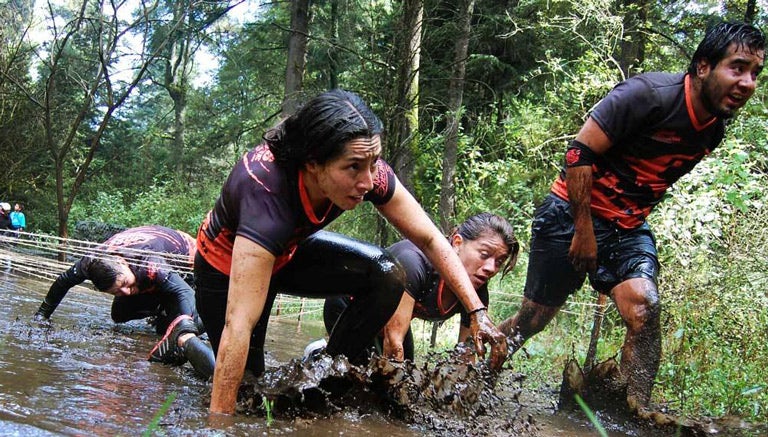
x: 269, y: 205
x: 434, y: 301
x: 152, y: 253
x: 656, y: 139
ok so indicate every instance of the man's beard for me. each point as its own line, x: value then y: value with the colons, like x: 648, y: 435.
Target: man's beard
x: 707, y: 92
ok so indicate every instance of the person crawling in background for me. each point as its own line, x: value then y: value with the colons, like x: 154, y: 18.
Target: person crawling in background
x: 143, y: 267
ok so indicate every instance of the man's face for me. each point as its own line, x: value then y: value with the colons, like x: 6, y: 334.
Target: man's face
x: 727, y: 86
x: 125, y: 281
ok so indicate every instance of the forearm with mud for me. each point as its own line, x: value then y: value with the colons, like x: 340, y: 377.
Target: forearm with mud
x: 579, y: 182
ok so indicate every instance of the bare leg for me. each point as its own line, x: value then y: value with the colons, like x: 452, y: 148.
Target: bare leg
x: 530, y: 319
x: 638, y: 303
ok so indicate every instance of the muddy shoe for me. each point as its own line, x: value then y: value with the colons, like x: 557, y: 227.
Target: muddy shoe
x: 167, y: 351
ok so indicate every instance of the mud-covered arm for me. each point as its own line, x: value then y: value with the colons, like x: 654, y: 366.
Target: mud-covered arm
x: 248, y: 288
x: 592, y: 140
x: 397, y: 327
x: 73, y: 276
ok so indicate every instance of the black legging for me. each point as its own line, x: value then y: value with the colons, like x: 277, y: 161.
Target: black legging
x: 334, y: 306
x: 324, y: 265
x: 174, y: 297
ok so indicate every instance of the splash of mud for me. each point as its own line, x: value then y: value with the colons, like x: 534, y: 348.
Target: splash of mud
x: 447, y: 393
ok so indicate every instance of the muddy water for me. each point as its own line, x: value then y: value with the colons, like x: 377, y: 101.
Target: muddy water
x: 85, y: 375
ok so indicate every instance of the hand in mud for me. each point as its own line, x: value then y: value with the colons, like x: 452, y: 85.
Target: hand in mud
x: 583, y: 252
x: 41, y: 320
x: 483, y: 330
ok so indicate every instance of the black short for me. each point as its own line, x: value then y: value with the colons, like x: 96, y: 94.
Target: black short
x: 621, y: 254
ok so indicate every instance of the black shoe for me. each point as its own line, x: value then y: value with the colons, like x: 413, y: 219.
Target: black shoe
x: 166, y: 351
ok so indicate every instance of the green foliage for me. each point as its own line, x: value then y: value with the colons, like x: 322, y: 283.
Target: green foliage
x: 171, y: 205
x: 267, y: 405
x: 713, y: 241
x: 152, y: 428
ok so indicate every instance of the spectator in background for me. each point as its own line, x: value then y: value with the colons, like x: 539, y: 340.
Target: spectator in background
x: 5, y: 216
x: 18, y: 219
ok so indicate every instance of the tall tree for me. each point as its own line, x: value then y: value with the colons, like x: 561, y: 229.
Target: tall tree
x: 453, y: 116
x: 80, y: 87
x: 403, y: 139
x: 297, y: 56
x: 632, y: 48
x: 17, y: 159
x: 181, y: 38
x: 403, y: 120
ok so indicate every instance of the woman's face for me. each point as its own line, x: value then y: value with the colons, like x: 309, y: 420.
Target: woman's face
x: 483, y: 257
x: 125, y: 281
x: 347, y: 178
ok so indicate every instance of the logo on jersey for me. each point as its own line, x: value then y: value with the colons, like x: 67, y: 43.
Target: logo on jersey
x: 667, y: 136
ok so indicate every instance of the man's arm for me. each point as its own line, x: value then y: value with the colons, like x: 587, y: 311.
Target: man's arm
x: 591, y: 140
x: 73, y: 276
x: 177, y: 296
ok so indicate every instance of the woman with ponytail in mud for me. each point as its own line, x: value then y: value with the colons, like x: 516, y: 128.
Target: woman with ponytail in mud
x: 485, y: 244
x: 261, y: 238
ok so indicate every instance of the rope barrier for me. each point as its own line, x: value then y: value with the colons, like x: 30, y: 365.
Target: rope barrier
x: 36, y: 256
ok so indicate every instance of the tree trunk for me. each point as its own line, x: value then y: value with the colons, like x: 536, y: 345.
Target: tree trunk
x: 751, y: 12
x: 178, y: 66
x: 333, y: 51
x: 404, y: 126
x: 455, y: 97
x: 632, y: 48
x: 297, y: 56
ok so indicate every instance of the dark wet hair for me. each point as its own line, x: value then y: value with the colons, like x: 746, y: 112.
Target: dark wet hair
x: 483, y: 223
x: 321, y: 128
x: 719, y: 38
x: 102, y: 273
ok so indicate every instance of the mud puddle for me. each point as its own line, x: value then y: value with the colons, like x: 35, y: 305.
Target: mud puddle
x: 84, y: 375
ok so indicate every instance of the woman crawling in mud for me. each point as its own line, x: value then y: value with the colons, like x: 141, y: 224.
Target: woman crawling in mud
x: 486, y: 245
x: 261, y: 238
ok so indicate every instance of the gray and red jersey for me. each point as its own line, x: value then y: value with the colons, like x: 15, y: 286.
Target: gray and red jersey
x: 434, y: 301
x: 656, y: 139
x: 269, y: 205
x: 146, y: 250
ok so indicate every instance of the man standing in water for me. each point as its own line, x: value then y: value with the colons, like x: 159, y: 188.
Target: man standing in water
x: 642, y: 137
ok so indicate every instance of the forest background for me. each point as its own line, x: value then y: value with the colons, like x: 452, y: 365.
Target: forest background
x: 133, y: 113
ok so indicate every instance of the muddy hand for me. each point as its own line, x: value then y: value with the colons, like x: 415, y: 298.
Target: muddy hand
x: 583, y: 252
x: 483, y: 330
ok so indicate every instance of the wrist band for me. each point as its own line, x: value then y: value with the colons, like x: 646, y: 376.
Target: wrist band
x: 477, y: 310
x: 579, y: 154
